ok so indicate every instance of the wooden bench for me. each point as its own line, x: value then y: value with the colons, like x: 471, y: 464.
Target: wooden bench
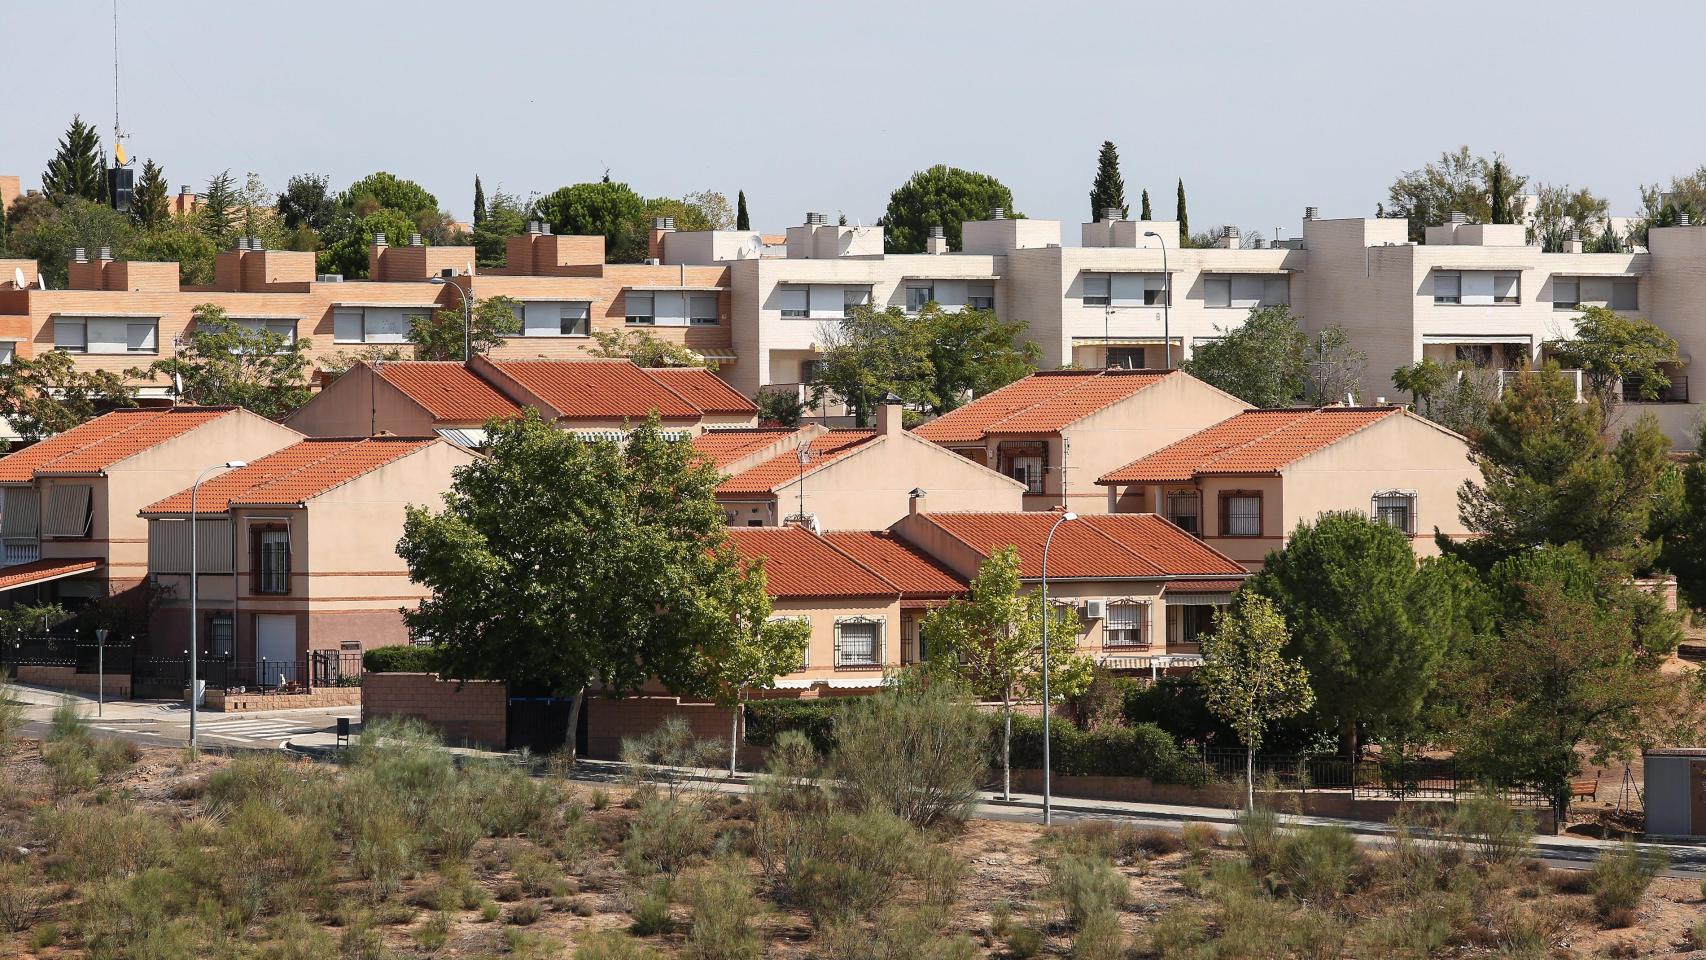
x: 1585, y: 788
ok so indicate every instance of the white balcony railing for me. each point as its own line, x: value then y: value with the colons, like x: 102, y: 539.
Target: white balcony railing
x: 15, y: 552
x: 1508, y: 377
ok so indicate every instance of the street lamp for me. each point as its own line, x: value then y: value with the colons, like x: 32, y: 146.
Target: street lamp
x: 467, y: 318
x: 195, y: 557
x: 1166, y: 300
x: 1048, y: 802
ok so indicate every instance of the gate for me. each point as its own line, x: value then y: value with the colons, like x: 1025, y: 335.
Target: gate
x: 536, y: 723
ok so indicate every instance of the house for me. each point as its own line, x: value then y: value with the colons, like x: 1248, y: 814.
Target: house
x: 1056, y: 432
x: 849, y: 479
x: 297, y: 549
x: 69, y: 524
x: 1243, y: 484
x: 456, y: 400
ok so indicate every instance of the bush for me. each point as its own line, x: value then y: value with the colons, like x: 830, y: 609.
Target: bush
x: 1319, y: 863
x: 1086, y: 886
x: 1199, y: 839
x: 1024, y: 941
x: 723, y: 905
x: 612, y: 945
x: 11, y: 716
x: 846, y: 864
x: 666, y: 835
x: 815, y: 719
x: 1099, y: 937
x: 1178, y: 935
x: 900, y: 933
x: 1494, y: 830
x: 1144, y: 750
x: 1620, y: 877
x: 403, y: 658
x: 1259, y: 830
x: 650, y: 914
x: 21, y: 901
x: 914, y: 751
x: 525, y: 914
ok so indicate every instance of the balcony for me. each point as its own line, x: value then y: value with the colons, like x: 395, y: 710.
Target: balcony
x: 830, y: 409
x: 1677, y: 392
x: 14, y: 552
x: 1509, y: 377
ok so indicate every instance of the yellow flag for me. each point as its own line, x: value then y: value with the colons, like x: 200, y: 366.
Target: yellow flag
x: 118, y: 153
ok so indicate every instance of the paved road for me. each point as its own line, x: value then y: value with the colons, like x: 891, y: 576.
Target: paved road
x: 168, y: 724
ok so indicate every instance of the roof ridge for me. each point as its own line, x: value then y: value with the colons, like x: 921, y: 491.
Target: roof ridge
x: 1110, y: 373
x: 669, y: 389
x: 349, y: 444
x: 1140, y: 558
x: 46, y: 465
x: 856, y: 562
x: 417, y: 444
x: 1225, y: 452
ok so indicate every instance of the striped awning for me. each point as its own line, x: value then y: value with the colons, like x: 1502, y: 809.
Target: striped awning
x: 468, y: 438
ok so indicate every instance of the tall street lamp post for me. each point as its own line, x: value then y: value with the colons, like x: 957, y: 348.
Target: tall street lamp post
x: 1048, y: 802
x: 195, y: 557
x: 1166, y: 299
x: 467, y: 316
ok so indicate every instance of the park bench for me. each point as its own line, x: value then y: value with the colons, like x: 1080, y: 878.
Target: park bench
x: 1584, y: 788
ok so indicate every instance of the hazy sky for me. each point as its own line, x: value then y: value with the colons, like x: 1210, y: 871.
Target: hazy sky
x: 1262, y: 108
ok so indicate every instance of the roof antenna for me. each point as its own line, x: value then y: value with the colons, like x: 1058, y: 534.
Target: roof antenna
x: 118, y: 132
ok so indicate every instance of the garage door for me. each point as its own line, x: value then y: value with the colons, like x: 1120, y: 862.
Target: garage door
x: 275, y: 645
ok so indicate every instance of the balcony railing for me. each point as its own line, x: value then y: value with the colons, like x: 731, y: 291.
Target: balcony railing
x: 1509, y: 377
x: 830, y: 407
x: 1677, y: 392
x: 14, y: 552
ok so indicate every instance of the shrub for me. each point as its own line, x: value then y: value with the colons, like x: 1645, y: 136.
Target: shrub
x: 432, y: 934
x: 650, y: 914
x: 525, y: 914
x: 1143, y: 750
x: 1199, y: 839
x: 11, y: 715
x: 666, y: 835
x: 612, y: 945
x: 1316, y: 935
x: 846, y: 864
x: 20, y: 899
x: 913, y: 750
x: 1024, y: 941
x: 1494, y: 830
x: 723, y: 905
x: 1620, y: 877
x: 71, y: 765
x: 767, y: 720
x: 383, y: 851
x: 535, y: 872
x: 1259, y: 830
x: 403, y: 658
x: 1086, y: 886
x: 1319, y: 863
x: 1178, y: 934
x: 900, y: 933
x: 44, y: 936
x: 1099, y: 937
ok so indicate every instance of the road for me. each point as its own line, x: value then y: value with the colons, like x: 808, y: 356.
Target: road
x: 168, y: 725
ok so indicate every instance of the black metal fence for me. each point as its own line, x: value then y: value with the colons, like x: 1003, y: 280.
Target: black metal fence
x: 48, y: 651
x: 1634, y: 391
x: 162, y: 678
x: 1389, y: 778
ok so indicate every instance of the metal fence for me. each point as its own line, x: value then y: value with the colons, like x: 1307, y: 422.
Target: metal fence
x: 47, y: 651
x: 169, y: 677
x: 1392, y: 778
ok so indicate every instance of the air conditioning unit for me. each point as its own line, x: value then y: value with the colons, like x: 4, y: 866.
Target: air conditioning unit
x: 1094, y: 609
x: 329, y: 278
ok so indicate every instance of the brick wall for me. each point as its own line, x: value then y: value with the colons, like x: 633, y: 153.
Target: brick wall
x: 67, y: 678
x: 474, y: 712
x: 318, y: 698
x: 611, y: 719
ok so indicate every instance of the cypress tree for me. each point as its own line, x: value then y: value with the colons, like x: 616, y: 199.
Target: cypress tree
x: 1183, y: 218
x: 218, y: 206
x: 1498, y: 191
x: 1108, y: 189
x: 479, y: 202
x: 1147, y: 215
x: 151, y: 205
x: 77, y: 169
x: 742, y: 221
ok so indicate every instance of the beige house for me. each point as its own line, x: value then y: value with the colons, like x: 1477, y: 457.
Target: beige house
x: 1244, y: 484
x: 1056, y: 432
x: 297, y: 550
x: 69, y: 523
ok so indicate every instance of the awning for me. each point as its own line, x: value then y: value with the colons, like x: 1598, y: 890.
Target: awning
x: 1125, y: 341
x: 1232, y: 272
x: 264, y: 316
x: 377, y: 303
x: 103, y: 314
x: 677, y: 287
x: 1204, y: 586
x: 720, y: 356
x: 1631, y: 274
x: 1477, y: 338
x: 833, y: 683
x: 469, y: 438
x: 41, y: 571
x: 1483, y: 267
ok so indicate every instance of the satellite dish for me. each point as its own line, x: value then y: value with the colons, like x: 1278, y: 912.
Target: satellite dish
x: 18, y: 278
x: 41, y: 281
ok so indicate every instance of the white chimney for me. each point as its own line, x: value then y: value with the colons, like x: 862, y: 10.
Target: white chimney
x: 1573, y: 243
x: 889, y: 416
x: 1457, y: 217
x: 415, y: 240
x: 1113, y: 213
x: 379, y: 239
x: 1311, y: 213
x: 918, y: 501
x: 997, y: 213
x: 937, y: 242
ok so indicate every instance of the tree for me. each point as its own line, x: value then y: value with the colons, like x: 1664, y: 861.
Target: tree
x: 1662, y: 203
x: 993, y: 642
x: 1145, y: 213
x: 1549, y: 475
x: 1682, y: 531
x: 255, y: 216
x: 48, y: 232
x: 1107, y: 190
x: 1332, y: 368
x: 780, y: 407
x: 941, y: 196
x: 506, y: 216
x: 1499, y: 191
x: 1369, y: 624
x: 151, y: 205
x: 306, y: 202
x: 46, y: 394
x: 388, y: 191
x: 1559, y: 209
x: 1466, y: 400
x: 1423, y: 379
x: 611, y: 210
x: 1180, y: 214
x: 1455, y: 183
x: 178, y: 239
x: 218, y: 206
x: 439, y: 337
x: 1260, y: 362
x: 1615, y: 351
x: 1247, y: 679
x: 973, y: 352
x: 77, y: 170
x: 711, y: 211
x: 1608, y: 240
x: 225, y: 364
x: 645, y: 350
x: 742, y: 221
x: 560, y: 563
x: 348, y: 236
x: 479, y: 202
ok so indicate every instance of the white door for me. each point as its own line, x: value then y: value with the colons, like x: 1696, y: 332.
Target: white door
x: 275, y: 643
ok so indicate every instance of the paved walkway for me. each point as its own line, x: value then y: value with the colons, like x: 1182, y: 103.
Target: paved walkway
x: 167, y: 722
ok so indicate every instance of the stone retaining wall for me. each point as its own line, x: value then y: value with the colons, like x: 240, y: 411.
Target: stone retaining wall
x: 250, y: 702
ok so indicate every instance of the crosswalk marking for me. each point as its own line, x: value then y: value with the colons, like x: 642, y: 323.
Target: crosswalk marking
x: 255, y: 728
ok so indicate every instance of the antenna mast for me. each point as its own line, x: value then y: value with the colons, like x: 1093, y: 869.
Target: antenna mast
x: 118, y: 134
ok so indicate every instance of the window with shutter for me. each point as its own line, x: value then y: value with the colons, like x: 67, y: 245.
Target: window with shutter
x: 1448, y: 287
x: 1123, y: 626
x: 1217, y: 292
x: 1184, y: 509
x: 139, y: 337
x: 1566, y: 293
x: 1625, y: 295
x: 1396, y: 509
x: 796, y: 302
x: 917, y: 296
x: 702, y: 309
x: 1241, y: 514
x: 574, y: 319
x: 852, y: 298
x: 638, y: 308
x: 1095, y: 290
x: 1507, y: 288
x: 72, y: 336
x: 269, y: 547
x: 68, y: 510
x: 856, y: 643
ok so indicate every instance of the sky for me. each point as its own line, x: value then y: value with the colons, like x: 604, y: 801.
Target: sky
x: 1261, y: 108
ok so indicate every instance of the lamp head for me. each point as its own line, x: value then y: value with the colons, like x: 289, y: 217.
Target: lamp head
x: 235, y: 464
x: 435, y: 280
x: 1069, y: 515
x: 1152, y: 233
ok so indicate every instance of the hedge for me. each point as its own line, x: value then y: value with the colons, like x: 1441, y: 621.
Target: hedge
x: 765, y: 719
x: 404, y: 658
x: 1140, y: 750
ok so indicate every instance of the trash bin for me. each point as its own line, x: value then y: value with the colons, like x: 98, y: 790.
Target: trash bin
x: 1675, y: 794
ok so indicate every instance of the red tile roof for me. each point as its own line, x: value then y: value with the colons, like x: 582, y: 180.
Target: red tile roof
x: 1094, y: 546
x: 1040, y: 403
x: 99, y: 443
x: 41, y: 571
x: 704, y: 389
x: 598, y: 389
x: 448, y: 390
x: 723, y: 447
x: 1254, y: 442
x: 290, y: 476
x: 916, y: 573
x: 767, y: 476
x: 799, y: 564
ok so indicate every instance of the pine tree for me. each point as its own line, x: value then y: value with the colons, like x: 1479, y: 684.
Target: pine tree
x: 742, y: 221
x: 1146, y: 213
x: 218, y: 205
x: 479, y: 202
x: 1182, y: 217
x: 77, y: 169
x: 151, y: 205
x: 1107, y: 191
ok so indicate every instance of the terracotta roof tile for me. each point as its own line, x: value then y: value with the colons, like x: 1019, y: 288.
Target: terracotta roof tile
x: 41, y: 571
x: 598, y: 389
x: 705, y: 390
x: 98, y: 444
x: 20, y: 467
x: 297, y: 473
x: 1040, y: 403
x: 723, y: 447
x: 799, y: 564
x: 916, y: 573
x: 826, y: 449
x: 1096, y: 546
x: 448, y: 390
x: 1255, y: 441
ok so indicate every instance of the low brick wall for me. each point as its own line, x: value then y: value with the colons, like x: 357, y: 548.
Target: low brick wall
x: 475, y: 712
x: 250, y: 702
x: 67, y: 678
x: 610, y: 720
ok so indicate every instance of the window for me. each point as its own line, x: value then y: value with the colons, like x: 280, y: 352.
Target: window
x: 69, y: 511
x: 1566, y: 293
x: 638, y: 308
x: 702, y: 309
x: 1153, y: 296
x: 1126, y: 358
x: 1448, y: 287
x: 852, y: 298
x: 70, y: 336
x: 1396, y: 508
x: 574, y: 320
x: 1507, y: 288
x: 139, y: 338
x: 1028, y: 471
x: 271, y: 552
x: 373, y: 324
x: 918, y: 296
x: 796, y: 303
x: 1184, y: 510
x: 1625, y: 295
x: 7, y: 350
x: 1095, y: 290
x: 1217, y: 292
x: 221, y: 636
x: 1241, y: 514
x: 858, y: 643
x: 980, y: 295
x: 1124, y: 625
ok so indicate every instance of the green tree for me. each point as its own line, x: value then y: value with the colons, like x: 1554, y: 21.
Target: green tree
x: 1145, y: 213
x: 388, y: 191
x: 1662, y: 203
x: 1260, y: 362
x: 218, y: 206
x: 1680, y: 523
x: 439, y: 337
x: 1608, y: 240
x: 151, y: 205
x: 1180, y: 214
x: 1558, y: 209
x: 225, y: 364
x: 1422, y: 379
x: 307, y: 201
x: 644, y: 349
x: 178, y: 239
x: 1549, y: 475
x: 559, y: 563
x: 78, y: 170
x: 742, y: 220
x: 973, y: 352
x: 1455, y: 183
x: 1499, y: 191
x: 46, y: 394
x: 941, y: 196
x: 1247, y: 679
x: 993, y: 643
x: 781, y: 407
x: 348, y: 236
x: 254, y: 214
x: 48, y: 232
x: 1614, y: 351
x: 1107, y: 190
x: 611, y: 210
x: 1369, y: 624
x: 479, y: 202
x: 506, y: 216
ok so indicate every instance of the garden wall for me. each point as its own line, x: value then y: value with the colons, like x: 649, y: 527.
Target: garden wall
x: 249, y: 702
x: 67, y: 678
x: 471, y: 712
x: 610, y: 720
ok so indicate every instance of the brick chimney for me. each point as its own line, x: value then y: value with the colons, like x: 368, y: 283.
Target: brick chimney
x: 654, y: 239
x: 889, y: 417
x: 917, y: 502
